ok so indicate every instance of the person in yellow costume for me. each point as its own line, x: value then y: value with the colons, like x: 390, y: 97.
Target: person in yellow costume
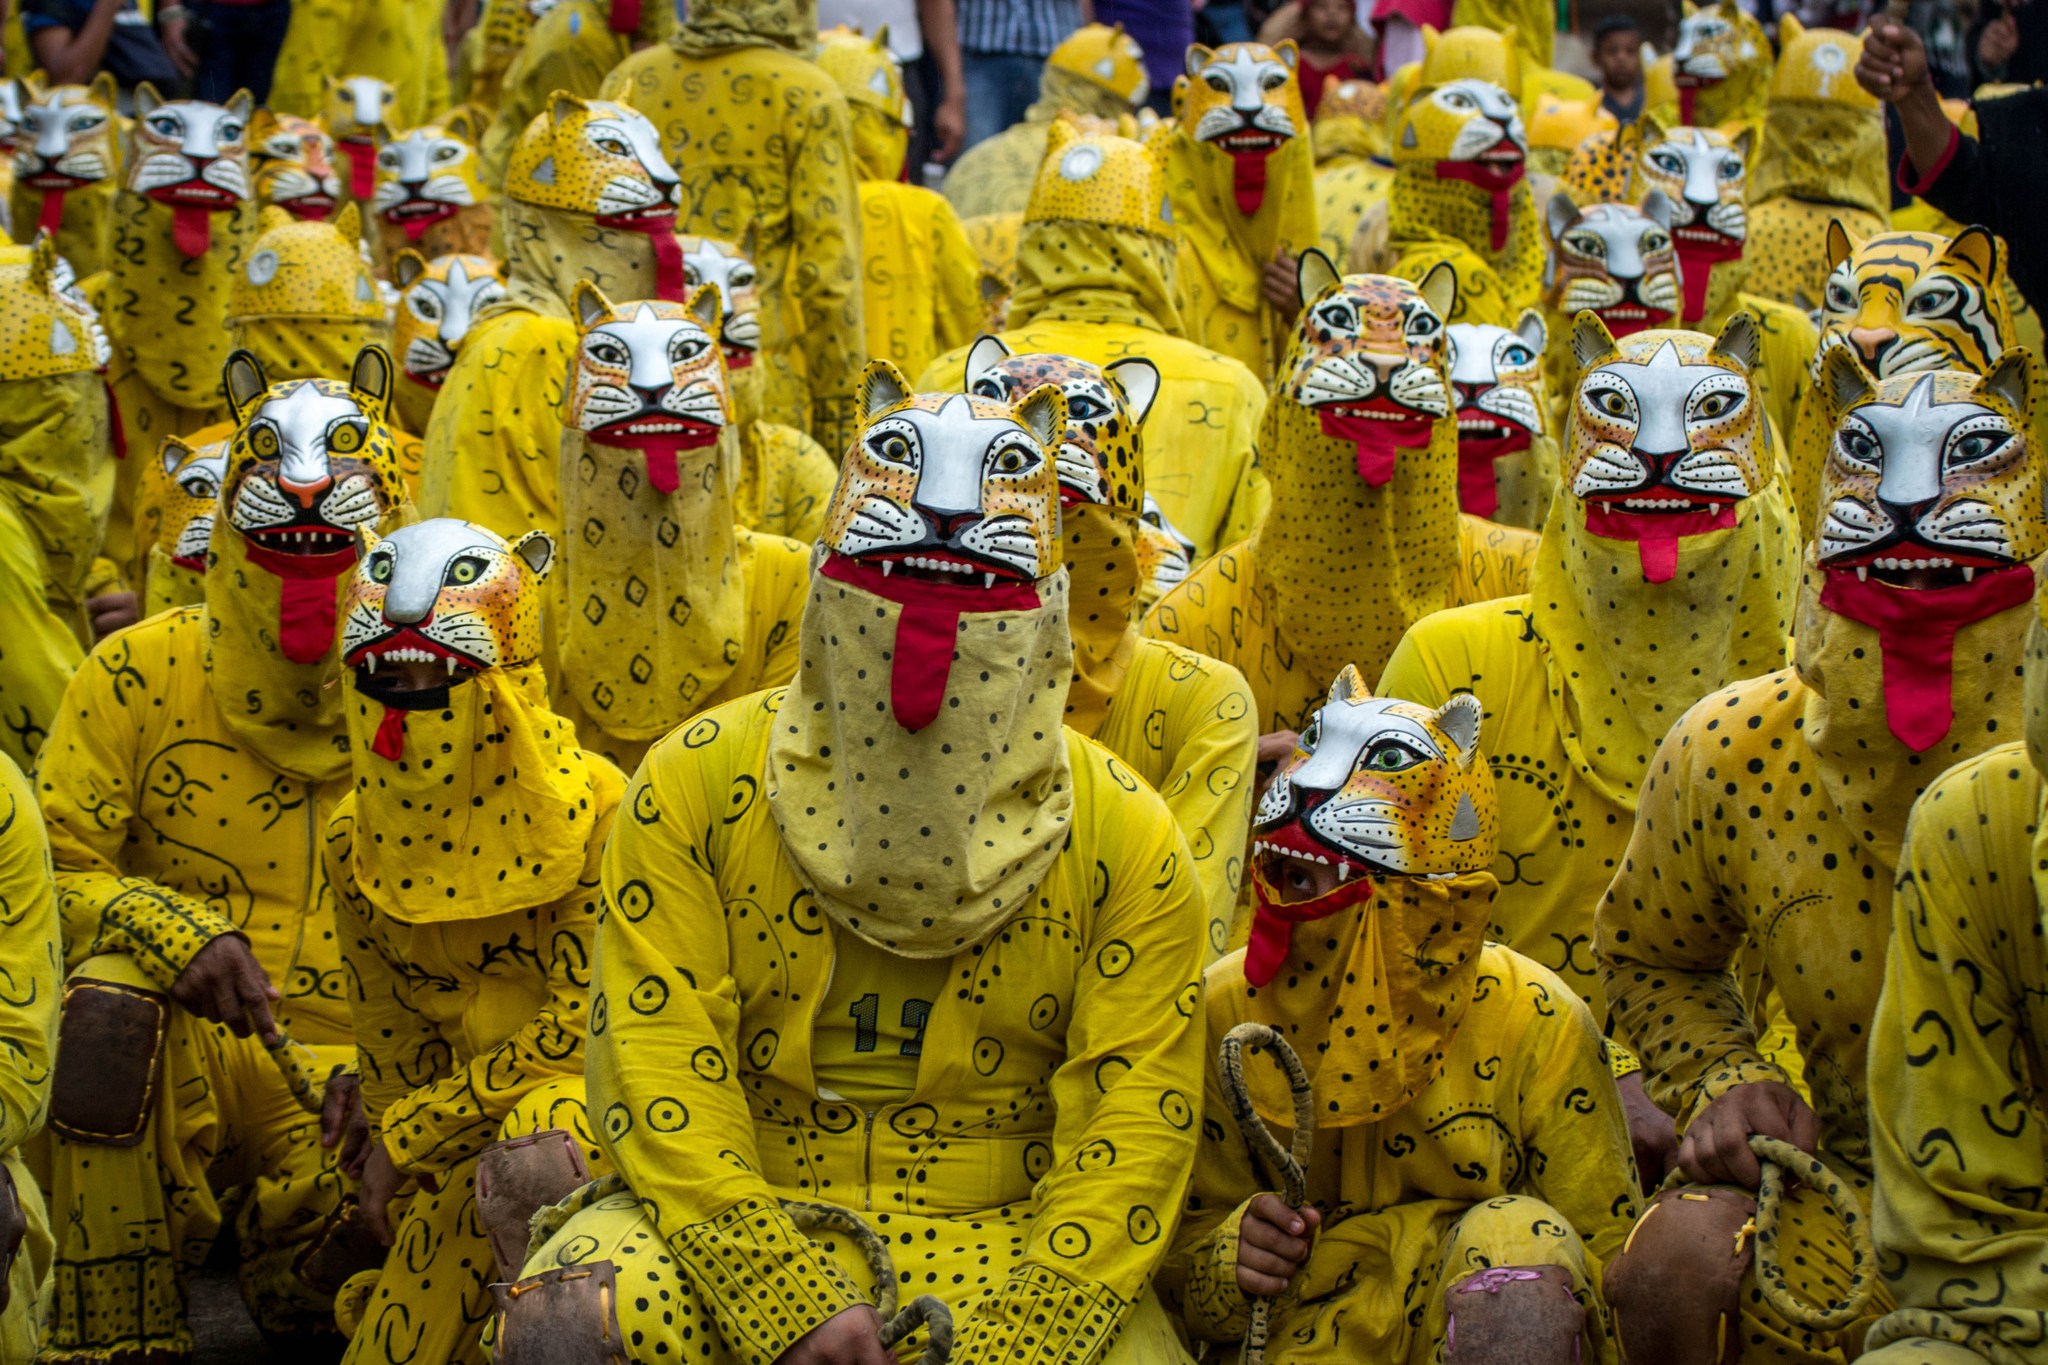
x: 1615, y: 260
x: 1096, y: 70
x: 589, y: 197
x: 1556, y: 127
x: 1424, y: 1231
x: 1364, y: 536
x: 438, y: 303
x: 1507, y: 457
x: 465, y: 867
x: 666, y: 606
x: 292, y: 161
x: 1097, y: 264
x: 183, y: 221
x: 1460, y: 193
x: 1823, y: 161
x: 572, y: 46
x: 921, y: 283
x: 177, y: 497
x: 67, y: 168
x: 765, y: 143
x: 395, y: 41
x: 1667, y: 568
x: 358, y: 111
x: 1964, y: 980
x: 430, y: 193
x: 1182, y: 723
x: 955, y: 992
x: 785, y: 478
x: 1717, y: 73
x: 28, y: 1023
x: 490, y: 47
x: 193, y: 766
x: 1241, y: 177
x: 1916, y: 600
x: 56, y: 484
x: 1353, y: 169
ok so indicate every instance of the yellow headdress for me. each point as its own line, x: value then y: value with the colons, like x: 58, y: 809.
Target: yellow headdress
x: 1100, y: 178
x: 1107, y: 57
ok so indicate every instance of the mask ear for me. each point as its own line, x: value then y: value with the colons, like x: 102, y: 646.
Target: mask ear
x: 1197, y: 58
x: 1657, y: 208
x: 42, y: 263
x: 1313, y: 273
x: 348, y: 221
x: 460, y: 125
x: 1650, y: 130
x: 1349, y: 686
x: 408, y: 265
x: 562, y: 105
x: 241, y: 104
x: 1439, y: 289
x: 1843, y: 379
x: 1789, y: 28
x: 1977, y: 249
x: 147, y: 100
x: 2012, y: 378
x: 1290, y: 54
x: 1044, y: 414
x: 1139, y: 379
x: 370, y: 381
x: 171, y: 454
x: 536, y: 550
x: 1592, y: 343
x: 1460, y: 718
x: 243, y: 379
x: 588, y: 303
x: 105, y: 89
x: 748, y: 241
x: 705, y: 306
x: 1740, y: 341
x: 1743, y: 140
x: 367, y: 540
x: 1533, y: 331
x: 882, y: 385
x: 1841, y: 246
x: 1559, y: 214
x: 984, y: 355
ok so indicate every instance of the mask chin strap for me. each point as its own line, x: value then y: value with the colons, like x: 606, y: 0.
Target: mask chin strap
x: 389, y: 741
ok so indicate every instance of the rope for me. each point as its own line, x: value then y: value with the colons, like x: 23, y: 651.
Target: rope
x: 1290, y: 1163
x: 924, y: 1310
x: 1782, y: 1164
x: 286, y: 1052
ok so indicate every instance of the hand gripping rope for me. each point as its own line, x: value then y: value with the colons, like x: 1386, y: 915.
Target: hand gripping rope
x: 1291, y: 1165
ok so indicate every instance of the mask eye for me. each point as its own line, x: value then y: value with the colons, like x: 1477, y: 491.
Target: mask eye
x: 388, y: 158
x: 605, y: 351
x: 380, y: 568
x: 892, y: 447
x: 164, y: 127
x: 1517, y: 355
x: 1715, y: 405
x: 1975, y: 448
x: 1610, y: 402
x: 425, y: 305
x: 465, y: 570
x: 447, y: 151
x: 1667, y: 163
x: 346, y: 437
x: 1654, y: 242
x: 743, y: 277
x: 1422, y: 325
x: 1391, y: 756
x: 1588, y: 244
x: 991, y: 388
x: 1014, y: 459
x: 1858, y: 447
x: 1840, y: 297
x: 1732, y: 168
x: 1273, y: 80
x: 1934, y: 302
x: 263, y: 440
x: 615, y: 146
x: 198, y: 486
x: 1083, y: 407
x: 683, y: 349
x: 1217, y: 83
x: 1312, y: 736
x: 1338, y: 317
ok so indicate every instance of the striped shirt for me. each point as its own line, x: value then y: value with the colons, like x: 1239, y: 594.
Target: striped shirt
x: 1031, y: 27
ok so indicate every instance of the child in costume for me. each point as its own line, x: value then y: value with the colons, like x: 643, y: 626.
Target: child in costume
x: 194, y: 764
x: 1181, y: 722
x: 765, y: 141
x: 1439, y: 1067
x: 292, y: 162
x: 177, y: 497
x: 1241, y: 176
x: 1098, y: 267
x: 1507, y: 458
x: 1353, y: 169
x: 67, y: 167
x: 1718, y: 72
x: 921, y: 283
x: 438, y: 302
x: 359, y: 112
x: 1364, y: 537
x: 1916, y: 599
x: 1096, y: 70
x: 465, y: 866
x: 430, y: 193
x: 571, y: 47
x: 1666, y: 569
x: 949, y: 984
x: 56, y: 485
x: 589, y: 198
x: 666, y: 605
x: 28, y: 1024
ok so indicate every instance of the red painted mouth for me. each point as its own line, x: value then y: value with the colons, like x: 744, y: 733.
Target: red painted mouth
x: 407, y: 645
x: 195, y: 194
x: 54, y: 182
x: 419, y: 208
x: 1475, y: 424
x: 308, y: 207
x: 935, y: 565
x: 687, y: 433
x: 430, y: 379
x: 738, y: 357
x: 303, y: 541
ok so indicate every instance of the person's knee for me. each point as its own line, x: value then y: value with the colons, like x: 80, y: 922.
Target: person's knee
x: 515, y: 1179
x: 111, y: 1034
x: 566, y: 1316
x: 1513, y: 1315
x: 1675, y: 1290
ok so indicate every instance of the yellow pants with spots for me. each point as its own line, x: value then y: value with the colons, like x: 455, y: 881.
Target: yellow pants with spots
x: 662, y: 1317
x: 433, y: 1298
x: 133, y: 1221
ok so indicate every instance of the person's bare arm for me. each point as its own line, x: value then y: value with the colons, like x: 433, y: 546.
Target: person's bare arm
x: 941, y: 31
x: 72, y: 56
x: 1894, y: 68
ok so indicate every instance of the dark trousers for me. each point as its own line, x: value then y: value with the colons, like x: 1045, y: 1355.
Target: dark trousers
x: 237, y: 47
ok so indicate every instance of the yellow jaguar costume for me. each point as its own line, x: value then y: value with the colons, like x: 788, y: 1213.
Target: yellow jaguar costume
x: 1666, y: 569
x: 1718, y: 72
x: 786, y: 176
x: 1241, y: 178
x: 177, y: 497
x: 28, y: 1024
x: 291, y: 160
x: 589, y: 198
x: 1371, y: 861
x: 429, y: 193
x: 194, y: 764
x: 67, y: 168
x: 1096, y: 70
x: 1182, y: 723
x: 465, y: 900
x: 1823, y: 162
x: 1353, y: 169
x: 1617, y: 261
x: 572, y: 47
x: 1360, y: 440
x: 395, y: 42
x: 360, y: 112
x: 1507, y: 458
x: 438, y: 302
x: 1019, y: 1170
x: 666, y: 605
x: 56, y: 485
x: 1908, y: 659
x: 1097, y: 266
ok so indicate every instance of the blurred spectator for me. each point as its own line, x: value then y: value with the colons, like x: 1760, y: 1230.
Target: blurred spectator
x: 74, y: 40
x: 1398, y: 25
x: 1944, y: 32
x: 924, y: 36
x: 2010, y: 42
x: 1332, y: 43
x: 1003, y: 46
x: 1618, y: 57
x: 1163, y: 28
x: 1222, y: 21
x: 226, y: 45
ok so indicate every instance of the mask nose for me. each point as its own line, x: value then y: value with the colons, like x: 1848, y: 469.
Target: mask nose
x: 1871, y: 343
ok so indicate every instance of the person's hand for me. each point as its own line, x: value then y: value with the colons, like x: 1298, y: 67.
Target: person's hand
x: 112, y: 611
x: 343, y: 1121
x: 381, y: 1182
x: 1716, y: 1147
x: 225, y: 983
x: 949, y: 126
x: 1999, y: 40
x: 174, y: 30
x: 1650, y: 1131
x: 851, y: 1337
x: 1272, y: 1242
x: 1894, y: 61
x: 1279, y: 282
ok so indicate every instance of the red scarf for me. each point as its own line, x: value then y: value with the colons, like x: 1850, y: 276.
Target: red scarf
x: 1378, y: 443
x: 53, y: 211
x: 659, y: 224
x: 307, y: 606
x: 1248, y: 181
x: 625, y: 16
x: 1656, y: 534
x: 362, y: 167
x: 1496, y: 182
x: 1696, y: 262
x: 1273, y: 921
x: 1478, y: 493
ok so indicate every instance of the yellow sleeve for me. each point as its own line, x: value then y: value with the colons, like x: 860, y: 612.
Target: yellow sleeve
x: 86, y: 785
x: 397, y: 1048
x: 824, y: 266
x: 1954, y: 1108
x: 1199, y: 1279
x: 799, y: 475
x: 664, y: 1057
x: 783, y: 570
x: 1209, y: 791
x: 1667, y: 940
x: 494, y: 443
x: 1254, y: 495
x: 31, y: 971
x: 959, y: 309
x: 1130, y: 1084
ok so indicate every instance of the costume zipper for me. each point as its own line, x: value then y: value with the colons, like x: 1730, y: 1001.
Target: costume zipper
x: 867, y: 1153
x: 306, y: 888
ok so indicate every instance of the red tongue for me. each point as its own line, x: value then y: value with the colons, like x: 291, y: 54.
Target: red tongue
x: 1273, y: 922
x: 1248, y: 181
x: 625, y: 16
x: 921, y: 662
x: 416, y: 227
x: 53, y: 211
x: 1687, y: 94
x: 1696, y: 261
x: 668, y: 252
x: 1379, y: 443
x: 1656, y: 533
x: 1916, y: 634
x: 389, y: 741
x: 660, y: 452
x: 191, y: 230
x: 1495, y: 181
x: 306, y: 602
x: 120, y: 432
x: 362, y: 167
x: 1477, y: 491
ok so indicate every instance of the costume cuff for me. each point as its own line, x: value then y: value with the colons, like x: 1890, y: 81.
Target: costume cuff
x: 1216, y: 1306
x: 763, y: 1280
x: 1620, y: 1061
x: 1925, y: 181
x: 1740, y: 1069
x: 1042, y: 1317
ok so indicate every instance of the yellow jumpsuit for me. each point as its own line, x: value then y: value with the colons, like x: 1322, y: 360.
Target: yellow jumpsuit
x: 470, y: 1014
x: 571, y: 47
x: 34, y: 973
x: 397, y: 41
x: 763, y: 140
x: 1428, y: 220
x: 175, y: 509
x: 1740, y: 96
